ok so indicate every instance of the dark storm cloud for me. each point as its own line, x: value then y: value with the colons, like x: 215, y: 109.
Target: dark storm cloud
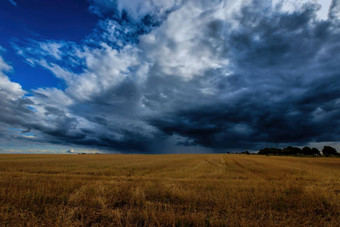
x: 209, y: 79
x: 285, y: 79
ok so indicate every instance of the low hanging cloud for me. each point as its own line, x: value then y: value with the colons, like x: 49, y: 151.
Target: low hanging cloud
x: 213, y: 74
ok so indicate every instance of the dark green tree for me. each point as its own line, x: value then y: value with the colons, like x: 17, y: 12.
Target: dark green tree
x: 316, y: 151
x: 270, y: 151
x: 307, y: 151
x: 291, y: 150
x: 329, y: 151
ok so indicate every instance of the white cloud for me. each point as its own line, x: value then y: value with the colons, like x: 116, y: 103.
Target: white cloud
x: 293, y: 5
x: 137, y: 9
x: 189, y: 42
x: 105, y: 69
x: 8, y: 89
x: 334, y: 12
x: 53, y: 49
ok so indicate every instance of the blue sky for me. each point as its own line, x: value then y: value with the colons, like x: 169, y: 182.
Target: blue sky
x: 154, y: 76
x: 41, y: 20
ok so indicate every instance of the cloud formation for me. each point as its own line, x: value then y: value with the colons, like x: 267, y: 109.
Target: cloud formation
x: 135, y: 10
x: 216, y: 74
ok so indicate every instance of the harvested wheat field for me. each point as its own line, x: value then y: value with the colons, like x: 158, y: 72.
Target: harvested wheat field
x: 168, y: 190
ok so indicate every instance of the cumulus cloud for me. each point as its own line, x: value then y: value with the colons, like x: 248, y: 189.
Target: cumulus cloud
x: 334, y: 10
x: 8, y: 89
x: 216, y: 74
x: 11, y: 94
x: 279, y: 79
x: 180, y: 49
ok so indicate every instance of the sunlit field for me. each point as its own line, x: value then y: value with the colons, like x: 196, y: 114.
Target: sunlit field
x: 168, y: 190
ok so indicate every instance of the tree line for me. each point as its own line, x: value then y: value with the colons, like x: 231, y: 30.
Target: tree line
x: 326, y: 151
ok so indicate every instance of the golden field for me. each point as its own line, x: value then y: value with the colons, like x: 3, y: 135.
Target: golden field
x: 168, y: 190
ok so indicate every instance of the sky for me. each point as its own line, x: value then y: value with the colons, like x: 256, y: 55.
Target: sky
x: 168, y: 76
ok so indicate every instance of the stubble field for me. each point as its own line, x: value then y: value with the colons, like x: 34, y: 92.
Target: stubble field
x: 168, y: 190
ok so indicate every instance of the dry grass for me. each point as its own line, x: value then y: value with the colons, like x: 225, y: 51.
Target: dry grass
x: 168, y: 190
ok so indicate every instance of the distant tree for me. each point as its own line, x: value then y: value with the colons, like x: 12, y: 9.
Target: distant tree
x: 315, y: 151
x: 270, y: 151
x: 329, y: 151
x: 289, y: 151
x: 307, y: 151
x: 292, y: 150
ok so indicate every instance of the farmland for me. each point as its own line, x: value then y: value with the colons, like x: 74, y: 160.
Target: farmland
x: 168, y: 190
